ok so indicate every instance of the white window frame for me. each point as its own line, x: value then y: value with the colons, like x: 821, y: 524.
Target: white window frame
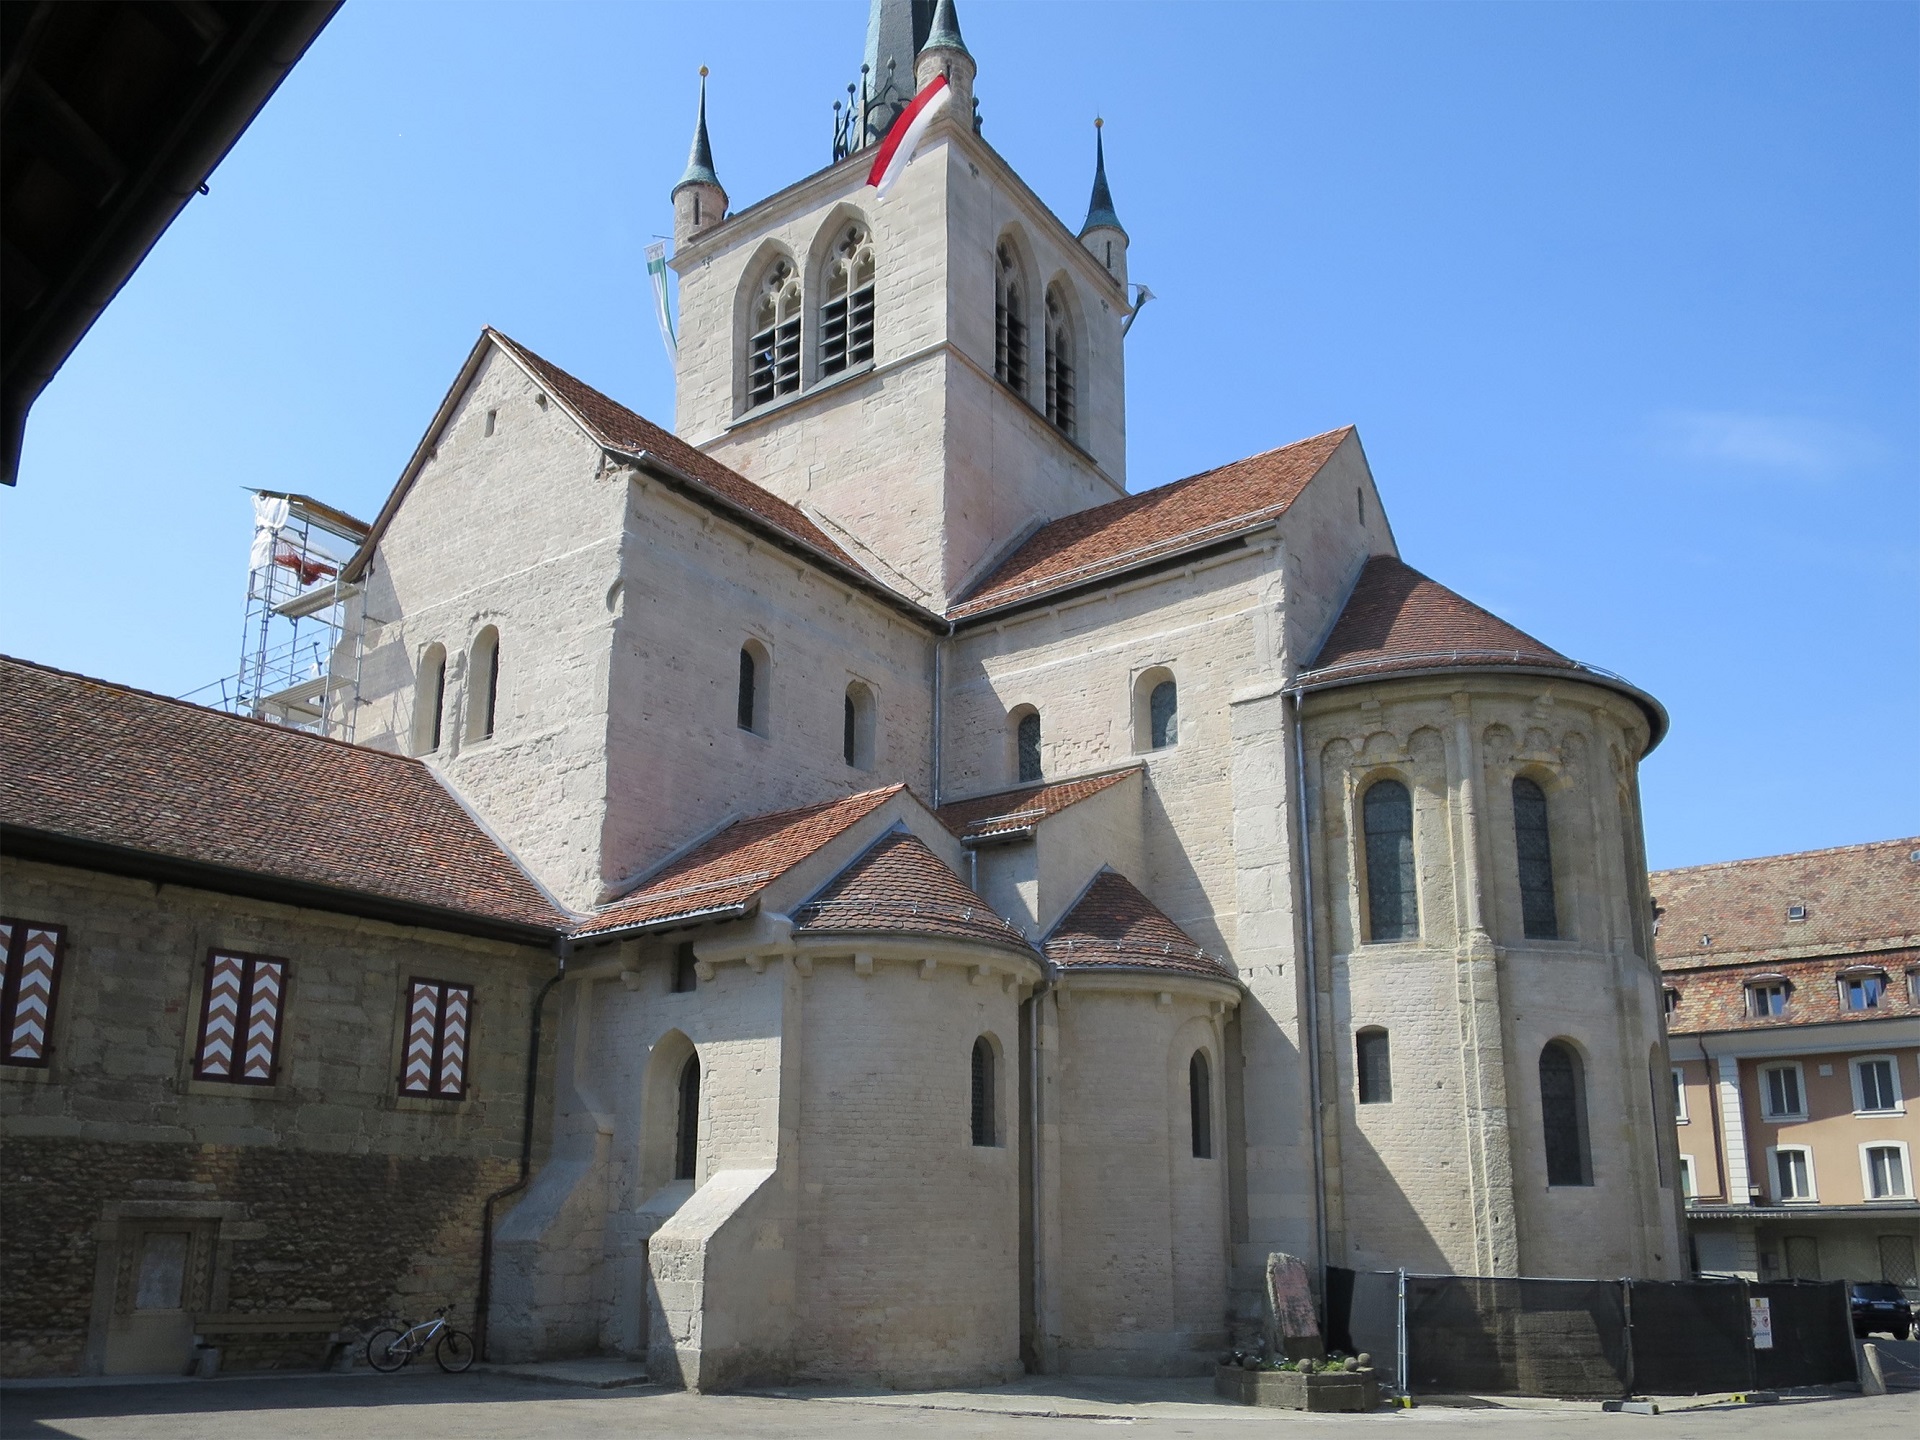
x: 1812, y: 1197
x: 1866, y: 1169
x: 1786, y: 999
x: 1687, y: 1190
x: 1886, y: 988
x: 1679, y: 1095
x: 1859, y: 1094
x: 1767, y: 1112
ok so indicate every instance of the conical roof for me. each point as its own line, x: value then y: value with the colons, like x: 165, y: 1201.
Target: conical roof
x: 700, y: 157
x: 944, y: 34
x: 1112, y: 926
x: 900, y: 887
x: 1399, y: 619
x: 1100, y: 212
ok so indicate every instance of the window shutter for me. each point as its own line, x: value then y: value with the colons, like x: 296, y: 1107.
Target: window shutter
x: 240, y: 1019
x: 439, y: 1016
x: 32, y: 955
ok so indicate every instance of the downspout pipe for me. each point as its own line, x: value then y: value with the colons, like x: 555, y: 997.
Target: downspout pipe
x: 1036, y: 1151
x: 562, y: 948
x: 1313, y: 995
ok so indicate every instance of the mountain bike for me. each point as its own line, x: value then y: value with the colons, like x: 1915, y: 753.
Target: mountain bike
x: 389, y: 1349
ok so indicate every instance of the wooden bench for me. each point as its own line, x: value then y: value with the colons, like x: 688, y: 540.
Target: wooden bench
x: 330, y: 1323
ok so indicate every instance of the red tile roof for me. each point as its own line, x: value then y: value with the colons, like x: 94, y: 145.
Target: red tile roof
x: 1124, y: 534
x: 1016, y: 811
x: 1112, y: 926
x: 618, y: 428
x: 100, y: 764
x: 734, y: 866
x: 1398, y: 619
x: 1713, y: 997
x: 900, y: 887
x: 1858, y: 899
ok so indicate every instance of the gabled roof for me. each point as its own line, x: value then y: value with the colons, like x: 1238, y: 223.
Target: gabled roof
x: 118, y: 779
x: 1857, y: 899
x: 730, y: 870
x: 900, y: 887
x: 1112, y: 926
x: 1007, y: 813
x: 1139, y: 529
x: 1399, y: 621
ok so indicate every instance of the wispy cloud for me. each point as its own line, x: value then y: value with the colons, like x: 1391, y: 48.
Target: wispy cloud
x: 1783, y: 446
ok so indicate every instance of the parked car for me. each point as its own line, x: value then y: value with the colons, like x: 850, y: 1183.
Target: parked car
x: 1880, y: 1309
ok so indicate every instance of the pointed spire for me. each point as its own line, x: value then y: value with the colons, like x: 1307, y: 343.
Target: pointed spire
x: 945, y: 30
x: 700, y: 158
x: 1100, y: 213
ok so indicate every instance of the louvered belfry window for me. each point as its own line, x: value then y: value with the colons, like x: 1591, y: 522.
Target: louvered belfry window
x: 32, y: 951
x: 439, y: 1023
x: 773, y: 351
x: 240, y: 1019
x: 1009, y: 324
x: 846, y: 319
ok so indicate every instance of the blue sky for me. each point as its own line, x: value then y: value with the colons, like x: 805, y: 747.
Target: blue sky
x: 1623, y: 299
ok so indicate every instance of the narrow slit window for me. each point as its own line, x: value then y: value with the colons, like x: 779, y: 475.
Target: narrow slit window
x: 485, y: 680
x: 686, y: 973
x: 1538, y: 914
x: 240, y: 1019
x: 1027, y: 746
x: 858, y: 728
x: 1563, y: 1115
x: 32, y: 953
x: 1163, y: 714
x: 1200, y: 1105
x: 686, y: 1140
x: 429, y: 698
x: 773, y: 351
x: 747, y: 699
x: 1373, y: 1066
x: 982, y: 1098
x: 439, y: 1022
x: 1393, y: 907
x: 846, y: 319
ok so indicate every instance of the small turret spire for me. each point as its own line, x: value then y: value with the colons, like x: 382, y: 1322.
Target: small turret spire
x: 700, y: 158
x: 1100, y: 213
x: 945, y: 30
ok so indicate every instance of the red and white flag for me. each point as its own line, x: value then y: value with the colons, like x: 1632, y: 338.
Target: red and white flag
x: 903, y: 138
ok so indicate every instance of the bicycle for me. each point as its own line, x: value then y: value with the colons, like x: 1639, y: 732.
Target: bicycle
x: 389, y: 1349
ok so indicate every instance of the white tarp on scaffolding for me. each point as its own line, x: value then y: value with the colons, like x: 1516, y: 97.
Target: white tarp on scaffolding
x: 269, y: 516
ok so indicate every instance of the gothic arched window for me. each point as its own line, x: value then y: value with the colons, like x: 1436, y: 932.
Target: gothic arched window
x: 1200, y: 1105
x: 846, y: 313
x: 773, y: 347
x: 1026, y: 745
x: 1393, y: 906
x: 982, y: 1115
x: 429, y: 695
x: 1563, y: 1115
x: 1061, y: 398
x: 1537, y: 912
x: 1009, y: 320
x: 686, y: 1140
x: 1373, y: 1066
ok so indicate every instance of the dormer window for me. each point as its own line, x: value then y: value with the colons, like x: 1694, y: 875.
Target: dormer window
x: 1767, y: 998
x: 1863, y: 989
x: 846, y: 316
x: 773, y: 352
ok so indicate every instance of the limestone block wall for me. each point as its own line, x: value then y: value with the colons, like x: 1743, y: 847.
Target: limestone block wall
x: 117, y: 1133
x: 1452, y: 1170
x: 512, y: 524
x: 1141, y: 1274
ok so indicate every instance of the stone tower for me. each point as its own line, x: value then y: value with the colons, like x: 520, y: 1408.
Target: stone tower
x: 928, y: 375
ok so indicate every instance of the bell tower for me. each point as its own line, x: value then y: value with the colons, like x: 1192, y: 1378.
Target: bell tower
x: 930, y: 373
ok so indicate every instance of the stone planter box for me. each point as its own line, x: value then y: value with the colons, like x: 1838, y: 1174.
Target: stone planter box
x: 1290, y: 1390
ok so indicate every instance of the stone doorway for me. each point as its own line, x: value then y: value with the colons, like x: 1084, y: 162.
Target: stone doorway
x: 164, y: 1276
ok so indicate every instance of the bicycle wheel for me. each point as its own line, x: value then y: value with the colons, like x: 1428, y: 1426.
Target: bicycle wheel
x: 454, y: 1351
x: 385, y: 1352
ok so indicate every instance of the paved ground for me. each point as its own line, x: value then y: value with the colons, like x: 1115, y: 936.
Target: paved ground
x: 427, y: 1406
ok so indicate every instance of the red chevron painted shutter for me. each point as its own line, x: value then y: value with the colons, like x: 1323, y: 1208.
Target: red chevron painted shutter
x: 439, y: 1019
x: 32, y: 985
x: 240, y: 1018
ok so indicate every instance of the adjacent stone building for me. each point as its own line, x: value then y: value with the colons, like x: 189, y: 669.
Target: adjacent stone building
x: 1793, y: 1000
x: 1000, y: 909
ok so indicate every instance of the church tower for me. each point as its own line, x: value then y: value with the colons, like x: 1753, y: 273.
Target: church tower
x: 928, y: 374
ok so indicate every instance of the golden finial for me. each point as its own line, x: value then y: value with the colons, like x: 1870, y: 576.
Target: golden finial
x: 1098, y: 122
x: 703, y: 72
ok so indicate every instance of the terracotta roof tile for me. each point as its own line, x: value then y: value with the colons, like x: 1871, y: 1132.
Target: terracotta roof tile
x: 1857, y: 899
x: 88, y: 761
x: 1713, y: 997
x: 1010, y: 812
x: 619, y: 428
x: 737, y: 864
x: 1112, y: 926
x: 1127, y: 533
x: 1398, y: 619
x: 901, y: 887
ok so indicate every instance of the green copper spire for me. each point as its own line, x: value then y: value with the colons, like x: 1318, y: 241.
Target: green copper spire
x: 1100, y: 214
x: 700, y: 158
x: 945, y: 31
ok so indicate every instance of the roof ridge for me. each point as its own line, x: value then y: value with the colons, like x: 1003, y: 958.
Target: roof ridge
x: 267, y: 726
x: 1100, y: 774
x: 1912, y: 841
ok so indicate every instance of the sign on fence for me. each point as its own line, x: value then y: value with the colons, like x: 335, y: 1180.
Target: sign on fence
x: 1762, y: 1323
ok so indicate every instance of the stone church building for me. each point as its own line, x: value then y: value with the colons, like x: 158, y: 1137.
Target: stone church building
x: 993, y: 909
